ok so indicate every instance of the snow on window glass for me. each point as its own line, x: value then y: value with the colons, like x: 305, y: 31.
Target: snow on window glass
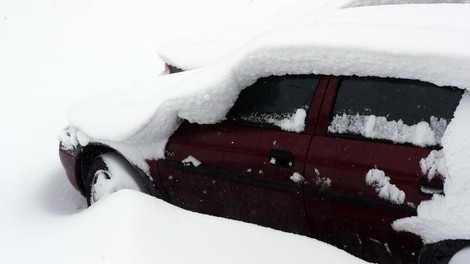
x: 399, y: 110
x: 281, y: 101
x: 379, y: 127
x: 287, y: 122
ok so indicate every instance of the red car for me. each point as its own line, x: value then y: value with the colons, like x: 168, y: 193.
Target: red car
x: 342, y: 176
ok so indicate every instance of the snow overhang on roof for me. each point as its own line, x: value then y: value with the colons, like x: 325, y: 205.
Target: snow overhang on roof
x: 200, y: 49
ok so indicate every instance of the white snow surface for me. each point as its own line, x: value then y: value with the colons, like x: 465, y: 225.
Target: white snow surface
x: 461, y: 257
x: 55, y: 52
x: 386, y: 190
x: 197, y: 49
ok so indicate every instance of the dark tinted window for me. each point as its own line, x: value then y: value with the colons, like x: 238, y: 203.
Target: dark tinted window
x: 399, y: 109
x: 274, y: 98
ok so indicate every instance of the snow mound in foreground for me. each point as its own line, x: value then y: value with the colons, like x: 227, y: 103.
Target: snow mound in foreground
x: 138, y: 223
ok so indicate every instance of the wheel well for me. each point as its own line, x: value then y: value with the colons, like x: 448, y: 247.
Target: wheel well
x: 90, y: 152
x: 88, y: 155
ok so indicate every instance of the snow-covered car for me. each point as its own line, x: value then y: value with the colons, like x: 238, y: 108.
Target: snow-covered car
x: 332, y: 130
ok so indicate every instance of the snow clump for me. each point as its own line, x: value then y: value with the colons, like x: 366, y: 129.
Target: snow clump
x: 387, y: 191
x: 190, y: 160
x: 434, y: 164
x: 295, y: 123
x: 297, y: 178
x: 379, y: 127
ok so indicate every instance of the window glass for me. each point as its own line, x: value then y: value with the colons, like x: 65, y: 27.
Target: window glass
x: 275, y: 101
x: 398, y: 110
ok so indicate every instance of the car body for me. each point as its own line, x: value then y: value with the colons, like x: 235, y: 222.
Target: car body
x: 247, y: 166
x: 318, y: 136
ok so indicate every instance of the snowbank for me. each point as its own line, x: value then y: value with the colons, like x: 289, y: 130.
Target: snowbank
x: 146, y: 228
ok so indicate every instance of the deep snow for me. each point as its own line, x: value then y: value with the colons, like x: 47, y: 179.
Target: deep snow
x: 55, y: 52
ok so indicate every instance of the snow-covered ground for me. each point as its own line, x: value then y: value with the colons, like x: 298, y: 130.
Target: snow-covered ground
x: 53, y: 53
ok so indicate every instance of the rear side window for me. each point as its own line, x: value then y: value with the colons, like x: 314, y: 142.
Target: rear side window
x: 276, y: 101
x: 396, y: 110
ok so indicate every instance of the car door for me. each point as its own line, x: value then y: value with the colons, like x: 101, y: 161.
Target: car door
x: 363, y: 171
x: 251, y: 164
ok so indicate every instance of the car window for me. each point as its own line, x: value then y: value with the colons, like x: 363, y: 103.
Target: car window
x: 396, y: 110
x: 273, y: 99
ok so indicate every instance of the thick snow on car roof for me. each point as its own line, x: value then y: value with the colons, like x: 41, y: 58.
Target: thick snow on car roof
x: 195, y: 50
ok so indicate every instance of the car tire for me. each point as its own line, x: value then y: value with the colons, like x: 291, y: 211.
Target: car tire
x: 442, y: 252
x: 109, y: 173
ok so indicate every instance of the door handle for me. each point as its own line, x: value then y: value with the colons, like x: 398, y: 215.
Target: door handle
x: 431, y: 186
x: 282, y: 158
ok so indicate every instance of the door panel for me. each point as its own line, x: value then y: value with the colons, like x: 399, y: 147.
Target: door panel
x: 247, y: 161
x: 342, y: 208
x: 349, y: 213
x: 236, y: 178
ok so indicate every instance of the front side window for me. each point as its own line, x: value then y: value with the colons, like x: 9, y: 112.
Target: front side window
x: 276, y: 101
x: 396, y: 110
